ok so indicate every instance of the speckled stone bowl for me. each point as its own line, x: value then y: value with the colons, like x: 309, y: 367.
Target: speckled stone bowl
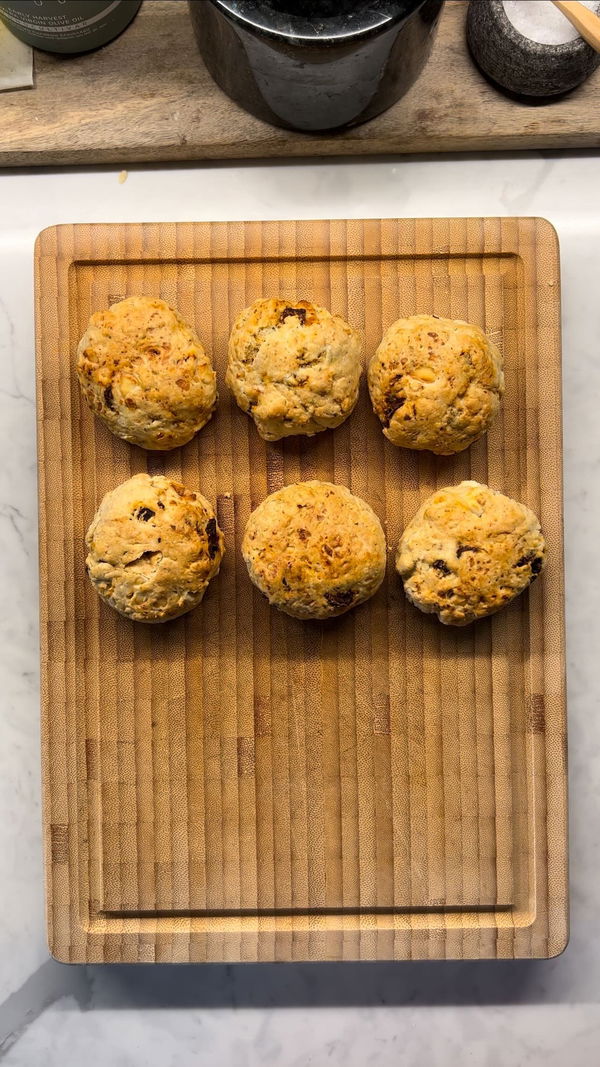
x: 519, y: 65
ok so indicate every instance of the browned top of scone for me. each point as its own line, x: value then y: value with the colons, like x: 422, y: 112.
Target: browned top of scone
x: 315, y: 549
x: 144, y: 372
x: 293, y: 366
x: 153, y: 546
x: 435, y: 383
x: 468, y: 552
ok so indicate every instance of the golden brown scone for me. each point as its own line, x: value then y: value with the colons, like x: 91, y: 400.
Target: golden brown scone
x: 295, y: 368
x: 144, y: 372
x: 435, y: 383
x: 315, y: 550
x: 468, y: 552
x: 153, y: 547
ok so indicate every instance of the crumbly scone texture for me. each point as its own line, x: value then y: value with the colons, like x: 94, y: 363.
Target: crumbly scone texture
x: 153, y: 547
x: 294, y: 367
x: 435, y: 383
x: 144, y: 372
x: 315, y: 550
x: 468, y: 552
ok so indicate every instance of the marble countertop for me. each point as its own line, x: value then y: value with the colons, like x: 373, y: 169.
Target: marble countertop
x: 467, y: 1014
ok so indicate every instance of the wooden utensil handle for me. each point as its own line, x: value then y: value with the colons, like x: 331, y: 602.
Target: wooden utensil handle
x: 584, y: 20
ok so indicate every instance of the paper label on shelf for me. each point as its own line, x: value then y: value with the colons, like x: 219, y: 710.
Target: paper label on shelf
x: 16, y: 62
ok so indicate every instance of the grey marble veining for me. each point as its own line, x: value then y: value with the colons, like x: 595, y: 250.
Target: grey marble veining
x: 475, y: 1014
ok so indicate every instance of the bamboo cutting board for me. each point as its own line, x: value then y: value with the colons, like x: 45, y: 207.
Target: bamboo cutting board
x: 148, y: 96
x: 240, y: 785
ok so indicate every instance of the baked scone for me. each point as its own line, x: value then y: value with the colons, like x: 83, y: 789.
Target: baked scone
x: 435, y: 383
x: 295, y: 368
x: 315, y: 550
x: 153, y: 547
x: 468, y: 552
x: 144, y: 372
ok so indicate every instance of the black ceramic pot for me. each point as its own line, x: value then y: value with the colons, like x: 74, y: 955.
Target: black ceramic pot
x: 315, y: 64
x: 520, y: 65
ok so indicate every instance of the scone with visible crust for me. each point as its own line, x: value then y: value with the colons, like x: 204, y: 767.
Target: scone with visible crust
x: 153, y: 547
x: 144, y: 372
x: 468, y: 552
x: 315, y: 550
x: 435, y: 383
x: 295, y: 368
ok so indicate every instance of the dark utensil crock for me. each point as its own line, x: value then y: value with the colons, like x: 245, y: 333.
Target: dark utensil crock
x: 316, y: 64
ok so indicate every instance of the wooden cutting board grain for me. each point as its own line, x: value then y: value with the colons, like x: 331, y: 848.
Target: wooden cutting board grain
x: 148, y: 96
x: 240, y: 785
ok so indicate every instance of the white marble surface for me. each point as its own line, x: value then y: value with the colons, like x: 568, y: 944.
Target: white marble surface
x: 476, y: 1015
